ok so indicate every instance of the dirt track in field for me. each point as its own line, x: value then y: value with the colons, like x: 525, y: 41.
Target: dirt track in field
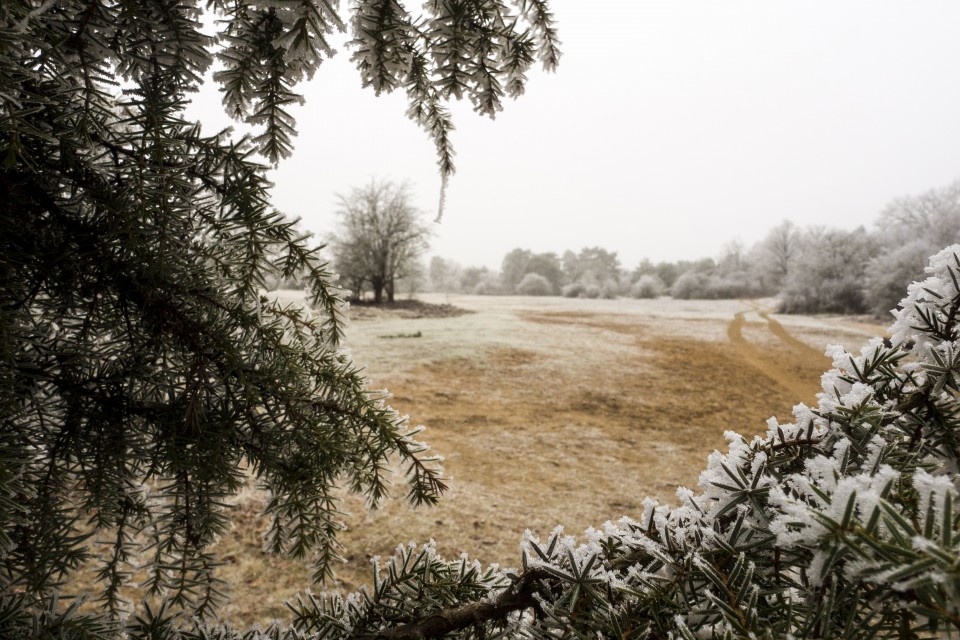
x: 790, y: 368
x: 549, y: 414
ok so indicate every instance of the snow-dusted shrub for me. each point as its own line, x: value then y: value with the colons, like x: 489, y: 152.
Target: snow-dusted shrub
x: 690, y: 285
x: 483, y: 288
x: 534, y: 284
x: 590, y: 291
x: 713, y: 286
x: 572, y: 290
x: 488, y: 284
x: 610, y: 289
x: 844, y: 523
x: 733, y: 285
x: 647, y: 286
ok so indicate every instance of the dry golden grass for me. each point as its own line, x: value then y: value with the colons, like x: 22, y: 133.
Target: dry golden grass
x: 553, y: 411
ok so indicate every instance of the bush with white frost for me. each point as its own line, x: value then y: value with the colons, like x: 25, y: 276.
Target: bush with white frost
x: 572, y: 290
x: 534, y: 284
x: 691, y: 284
x: 648, y: 285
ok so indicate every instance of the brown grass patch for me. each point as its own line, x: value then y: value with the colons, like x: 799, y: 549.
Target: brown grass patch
x: 563, y: 416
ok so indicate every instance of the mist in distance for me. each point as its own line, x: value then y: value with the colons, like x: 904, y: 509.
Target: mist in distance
x: 669, y: 130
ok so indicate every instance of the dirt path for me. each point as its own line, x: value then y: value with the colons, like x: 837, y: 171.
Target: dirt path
x: 795, y: 366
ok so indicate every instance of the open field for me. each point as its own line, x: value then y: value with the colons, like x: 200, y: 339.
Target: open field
x: 554, y: 411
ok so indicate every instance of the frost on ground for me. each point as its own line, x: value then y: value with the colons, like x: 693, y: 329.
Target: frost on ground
x: 841, y: 523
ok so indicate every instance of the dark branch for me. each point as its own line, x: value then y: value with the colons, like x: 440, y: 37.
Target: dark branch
x: 517, y: 597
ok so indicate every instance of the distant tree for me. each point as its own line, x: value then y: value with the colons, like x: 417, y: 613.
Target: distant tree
x: 473, y: 276
x: 776, y: 254
x: 644, y: 267
x: 733, y: 276
x: 379, y: 238
x: 829, y: 274
x: 887, y: 273
x: 488, y: 283
x: 520, y: 262
x: 596, y: 270
x: 668, y: 272
x: 513, y: 267
x: 444, y: 275
x: 909, y: 229
x: 934, y: 215
x: 733, y: 259
x: 547, y: 265
x: 570, y: 264
x: 597, y: 265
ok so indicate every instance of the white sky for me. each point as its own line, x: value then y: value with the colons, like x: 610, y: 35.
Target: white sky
x: 671, y: 128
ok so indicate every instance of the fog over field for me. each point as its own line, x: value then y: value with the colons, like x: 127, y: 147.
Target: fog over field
x: 668, y: 130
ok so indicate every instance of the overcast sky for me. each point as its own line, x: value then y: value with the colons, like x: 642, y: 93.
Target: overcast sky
x: 671, y: 128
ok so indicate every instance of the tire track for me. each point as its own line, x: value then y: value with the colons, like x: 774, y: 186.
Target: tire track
x: 797, y: 371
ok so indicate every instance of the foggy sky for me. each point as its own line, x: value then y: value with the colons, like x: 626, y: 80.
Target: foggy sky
x: 671, y: 128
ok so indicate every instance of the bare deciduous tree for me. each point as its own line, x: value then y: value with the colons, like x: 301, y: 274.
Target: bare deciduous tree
x: 379, y: 239
x: 776, y: 254
x: 910, y: 229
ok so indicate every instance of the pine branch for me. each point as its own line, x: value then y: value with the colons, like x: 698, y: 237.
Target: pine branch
x: 518, y: 596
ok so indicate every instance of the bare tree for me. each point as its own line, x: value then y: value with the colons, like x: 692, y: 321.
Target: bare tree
x: 776, y: 254
x: 380, y: 237
x: 910, y: 229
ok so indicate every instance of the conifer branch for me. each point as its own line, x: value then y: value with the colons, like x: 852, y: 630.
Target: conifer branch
x: 517, y: 597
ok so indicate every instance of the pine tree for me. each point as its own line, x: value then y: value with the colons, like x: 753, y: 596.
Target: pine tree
x: 143, y: 375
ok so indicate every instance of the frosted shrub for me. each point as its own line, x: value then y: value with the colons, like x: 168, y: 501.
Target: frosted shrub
x: 647, y: 286
x: 841, y: 524
x: 572, y: 290
x: 534, y: 284
x: 689, y: 285
x: 610, y: 289
x: 483, y: 289
x: 487, y: 285
x: 590, y: 291
x: 734, y: 285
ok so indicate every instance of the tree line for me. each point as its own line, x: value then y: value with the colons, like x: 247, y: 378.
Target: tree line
x: 811, y: 270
